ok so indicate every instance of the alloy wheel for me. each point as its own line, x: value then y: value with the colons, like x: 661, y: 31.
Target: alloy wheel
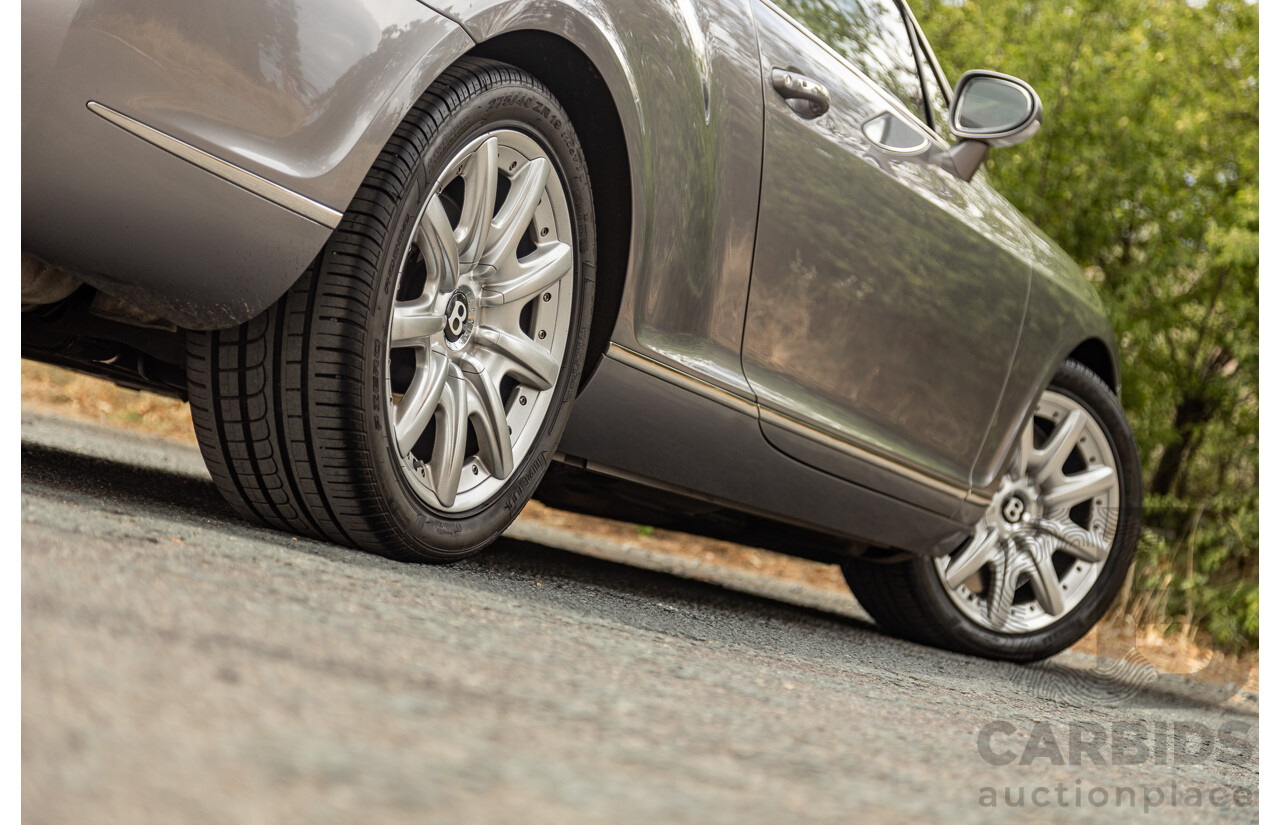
x: 1045, y: 537
x: 481, y: 320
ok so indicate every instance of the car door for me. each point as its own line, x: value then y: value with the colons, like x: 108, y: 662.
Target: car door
x: 886, y: 294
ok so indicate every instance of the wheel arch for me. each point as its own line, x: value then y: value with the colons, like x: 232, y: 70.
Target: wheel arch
x: 1098, y: 357
x: 1094, y: 347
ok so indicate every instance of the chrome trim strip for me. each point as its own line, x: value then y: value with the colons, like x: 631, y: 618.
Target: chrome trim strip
x: 683, y: 380
x: 743, y: 405
x: 258, y: 185
x: 801, y: 429
x: 981, y: 499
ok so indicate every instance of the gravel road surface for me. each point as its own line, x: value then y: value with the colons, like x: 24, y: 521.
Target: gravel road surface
x: 180, y: 665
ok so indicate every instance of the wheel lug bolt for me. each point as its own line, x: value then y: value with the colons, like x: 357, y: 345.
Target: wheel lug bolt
x: 545, y: 231
x: 523, y: 400
x: 546, y: 296
x: 475, y: 471
x: 542, y: 333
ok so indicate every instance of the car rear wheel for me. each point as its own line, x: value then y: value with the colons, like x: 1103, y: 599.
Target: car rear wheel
x: 1051, y: 551
x: 407, y: 394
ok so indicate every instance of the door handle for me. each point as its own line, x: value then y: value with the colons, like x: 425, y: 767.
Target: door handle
x: 806, y: 96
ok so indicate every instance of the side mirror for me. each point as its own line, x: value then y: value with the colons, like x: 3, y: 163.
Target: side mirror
x: 990, y: 109
x: 995, y: 108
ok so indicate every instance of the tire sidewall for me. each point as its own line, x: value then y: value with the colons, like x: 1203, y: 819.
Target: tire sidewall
x: 497, y: 105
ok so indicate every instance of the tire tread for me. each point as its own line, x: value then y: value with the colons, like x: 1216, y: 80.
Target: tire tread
x: 283, y: 442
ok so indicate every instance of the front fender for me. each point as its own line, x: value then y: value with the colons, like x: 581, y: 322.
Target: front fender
x: 1064, y: 311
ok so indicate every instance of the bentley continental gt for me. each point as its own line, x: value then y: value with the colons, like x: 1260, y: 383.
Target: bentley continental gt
x: 727, y: 266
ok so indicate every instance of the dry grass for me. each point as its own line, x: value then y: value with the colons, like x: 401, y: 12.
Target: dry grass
x: 1172, y: 653
x: 710, y: 551
x: 61, y: 392
x: 49, y: 389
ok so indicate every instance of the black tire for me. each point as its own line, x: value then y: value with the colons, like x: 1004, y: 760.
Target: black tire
x: 908, y: 599
x: 289, y: 408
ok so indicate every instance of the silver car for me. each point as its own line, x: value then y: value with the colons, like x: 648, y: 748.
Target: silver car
x: 728, y: 266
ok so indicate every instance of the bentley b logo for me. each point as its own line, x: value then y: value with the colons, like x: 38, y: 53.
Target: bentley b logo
x: 1013, y: 509
x: 456, y: 317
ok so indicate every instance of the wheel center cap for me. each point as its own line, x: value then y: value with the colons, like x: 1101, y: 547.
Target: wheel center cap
x: 459, y: 318
x: 1014, y: 509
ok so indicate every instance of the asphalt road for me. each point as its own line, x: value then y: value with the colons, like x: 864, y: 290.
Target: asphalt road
x: 180, y: 665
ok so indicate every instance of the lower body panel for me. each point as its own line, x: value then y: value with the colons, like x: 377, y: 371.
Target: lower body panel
x: 632, y: 424
x: 145, y: 226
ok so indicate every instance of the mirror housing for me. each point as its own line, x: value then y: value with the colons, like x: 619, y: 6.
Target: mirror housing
x: 990, y: 109
x: 994, y: 108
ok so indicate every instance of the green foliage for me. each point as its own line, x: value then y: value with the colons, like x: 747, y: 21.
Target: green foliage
x: 1146, y: 172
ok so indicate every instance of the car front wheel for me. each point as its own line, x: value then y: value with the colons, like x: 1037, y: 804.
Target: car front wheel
x: 407, y: 394
x: 1051, y: 551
